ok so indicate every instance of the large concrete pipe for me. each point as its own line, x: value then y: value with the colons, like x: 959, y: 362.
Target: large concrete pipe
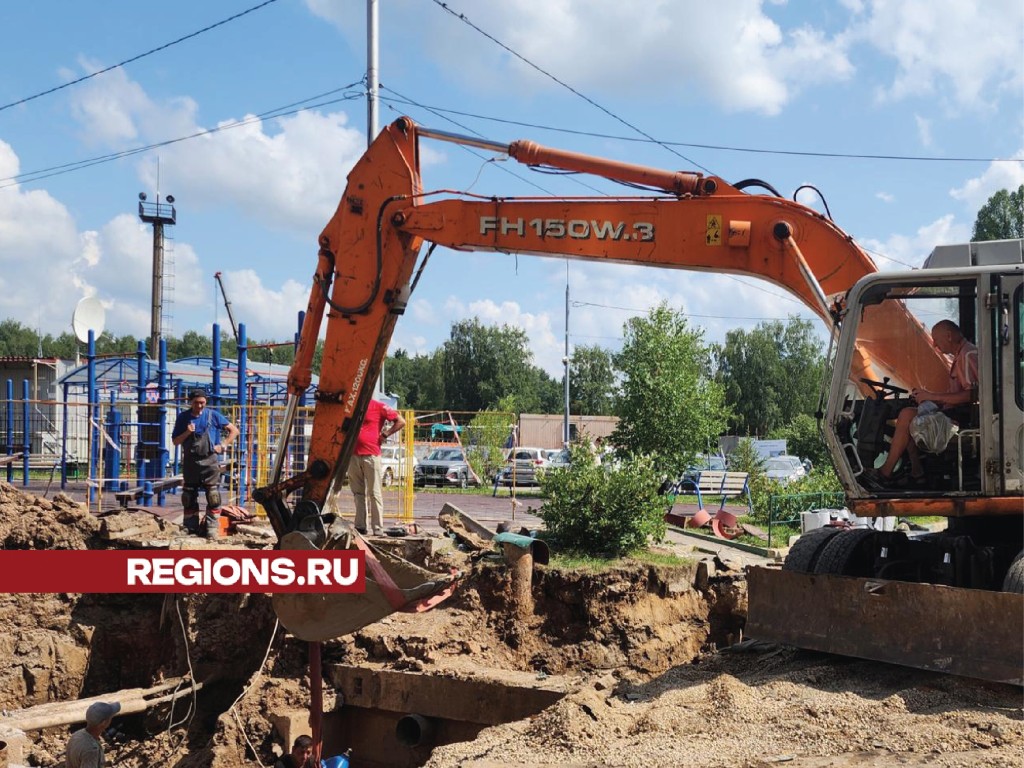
x: 415, y: 731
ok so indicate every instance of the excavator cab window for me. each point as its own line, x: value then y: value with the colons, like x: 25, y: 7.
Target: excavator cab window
x: 895, y: 357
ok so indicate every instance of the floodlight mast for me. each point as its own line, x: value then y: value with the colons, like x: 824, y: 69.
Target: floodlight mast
x: 158, y: 214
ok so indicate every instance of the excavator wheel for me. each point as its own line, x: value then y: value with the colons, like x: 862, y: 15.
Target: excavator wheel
x: 848, y: 554
x: 803, y: 555
x: 1014, y: 581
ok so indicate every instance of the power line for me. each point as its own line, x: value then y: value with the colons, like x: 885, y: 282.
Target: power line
x: 405, y: 100
x: 722, y: 147
x: 462, y: 17
x: 137, y: 57
x: 77, y: 165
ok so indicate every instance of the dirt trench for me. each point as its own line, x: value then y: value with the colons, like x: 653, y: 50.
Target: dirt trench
x: 636, y: 649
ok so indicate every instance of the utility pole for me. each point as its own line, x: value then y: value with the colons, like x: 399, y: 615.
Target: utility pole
x: 372, y: 87
x: 565, y: 360
x: 158, y: 214
x: 372, y: 64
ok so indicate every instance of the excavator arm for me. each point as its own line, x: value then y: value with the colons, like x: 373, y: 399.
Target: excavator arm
x: 364, y: 277
x: 370, y: 247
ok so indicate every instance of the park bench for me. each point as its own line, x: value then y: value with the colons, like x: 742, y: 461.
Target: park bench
x: 728, y: 485
x: 150, y: 487
x: 6, y: 461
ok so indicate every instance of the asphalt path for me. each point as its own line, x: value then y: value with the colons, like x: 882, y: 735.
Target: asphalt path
x: 520, y: 510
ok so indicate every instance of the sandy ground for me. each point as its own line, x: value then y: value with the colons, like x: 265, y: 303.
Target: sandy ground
x: 636, y: 647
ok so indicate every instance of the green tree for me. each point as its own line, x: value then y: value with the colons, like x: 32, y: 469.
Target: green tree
x: 803, y: 438
x: 191, y: 344
x: 483, y: 363
x: 417, y: 381
x: 669, y: 405
x: 770, y: 374
x: 17, y: 340
x: 484, y: 439
x: 1002, y: 217
x: 591, y: 381
x: 602, y: 510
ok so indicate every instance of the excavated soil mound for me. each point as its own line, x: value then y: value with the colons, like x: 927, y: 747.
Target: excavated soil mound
x: 637, y: 617
x: 44, y: 654
x: 635, y: 644
x: 762, y: 709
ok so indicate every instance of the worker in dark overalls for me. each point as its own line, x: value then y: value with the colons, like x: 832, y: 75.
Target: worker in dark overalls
x: 198, y: 432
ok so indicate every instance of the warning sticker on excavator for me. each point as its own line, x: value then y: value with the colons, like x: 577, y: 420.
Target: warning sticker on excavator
x: 713, y: 233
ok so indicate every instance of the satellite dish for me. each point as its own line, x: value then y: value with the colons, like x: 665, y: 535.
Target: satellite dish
x: 89, y: 316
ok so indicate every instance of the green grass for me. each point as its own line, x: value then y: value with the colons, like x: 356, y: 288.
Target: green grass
x: 570, y: 561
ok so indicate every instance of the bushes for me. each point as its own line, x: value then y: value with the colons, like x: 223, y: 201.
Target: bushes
x: 602, y: 510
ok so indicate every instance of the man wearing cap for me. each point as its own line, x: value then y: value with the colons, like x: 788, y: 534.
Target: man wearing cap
x: 197, y: 432
x: 85, y: 750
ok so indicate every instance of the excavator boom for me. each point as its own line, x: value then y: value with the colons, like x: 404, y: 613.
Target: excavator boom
x: 369, y: 249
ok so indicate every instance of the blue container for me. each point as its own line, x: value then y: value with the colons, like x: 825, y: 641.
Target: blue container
x: 340, y: 761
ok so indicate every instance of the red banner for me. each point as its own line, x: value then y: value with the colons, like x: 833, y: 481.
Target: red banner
x: 181, y: 570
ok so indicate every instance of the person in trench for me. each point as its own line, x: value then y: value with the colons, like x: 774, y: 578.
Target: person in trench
x: 197, y: 433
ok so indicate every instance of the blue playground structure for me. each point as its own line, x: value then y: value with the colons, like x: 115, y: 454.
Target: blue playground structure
x: 118, y: 411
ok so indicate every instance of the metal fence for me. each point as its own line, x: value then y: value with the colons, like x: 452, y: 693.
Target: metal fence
x: 122, y: 446
x: 786, y: 508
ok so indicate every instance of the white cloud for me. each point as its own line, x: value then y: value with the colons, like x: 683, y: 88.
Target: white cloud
x: 975, y: 192
x: 266, y: 312
x: 924, y: 130
x: 965, y: 52
x: 733, y: 52
x: 286, y: 172
x: 902, y: 251
x: 885, y: 197
x: 39, y: 248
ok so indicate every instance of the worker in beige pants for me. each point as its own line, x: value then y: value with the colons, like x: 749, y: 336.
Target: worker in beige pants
x: 365, y: 480
x: 364, y: 473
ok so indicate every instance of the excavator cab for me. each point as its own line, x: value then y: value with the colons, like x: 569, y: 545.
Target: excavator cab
x: 944, y: 597
x: 889, y: 365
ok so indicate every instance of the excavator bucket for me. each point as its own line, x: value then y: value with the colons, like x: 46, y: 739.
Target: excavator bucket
x: 973, y: 633
x: 392, y: 584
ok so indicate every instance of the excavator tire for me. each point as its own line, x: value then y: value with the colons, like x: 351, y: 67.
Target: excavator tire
x: 1014, y: 581
x: 803, y: 555
x: 848, y: 554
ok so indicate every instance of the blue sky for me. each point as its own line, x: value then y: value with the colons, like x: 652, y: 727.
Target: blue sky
x: 937, y: 79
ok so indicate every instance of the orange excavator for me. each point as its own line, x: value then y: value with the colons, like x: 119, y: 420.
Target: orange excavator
x: 948, y: 600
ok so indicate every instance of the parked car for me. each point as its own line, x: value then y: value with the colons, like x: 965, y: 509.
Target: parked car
x: 705, y: 463
x: 444, y: 467
x: 559, y: 458
x: 522, y: 466
x: 393, y: 464
x: 784, y: 469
